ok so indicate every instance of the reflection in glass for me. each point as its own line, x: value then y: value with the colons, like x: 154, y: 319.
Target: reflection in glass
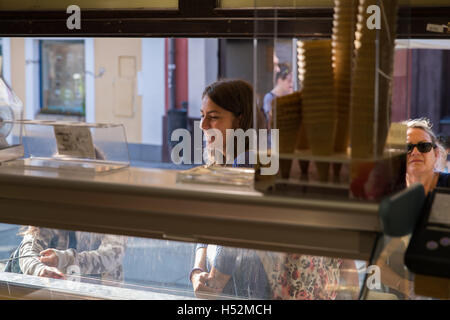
x: 93, y: 265
x: 62, y: 77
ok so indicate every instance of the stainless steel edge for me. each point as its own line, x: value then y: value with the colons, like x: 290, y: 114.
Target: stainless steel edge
x: 149, y: 203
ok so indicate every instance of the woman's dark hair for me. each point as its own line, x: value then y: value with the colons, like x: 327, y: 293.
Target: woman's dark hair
x: 235, y: 96
x: 285, y: 70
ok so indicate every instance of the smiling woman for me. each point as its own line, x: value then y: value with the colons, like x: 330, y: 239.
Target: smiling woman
x: 424, y: 154
x: 227, y: 104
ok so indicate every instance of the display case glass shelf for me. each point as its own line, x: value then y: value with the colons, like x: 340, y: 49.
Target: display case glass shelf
x: 74, y: 146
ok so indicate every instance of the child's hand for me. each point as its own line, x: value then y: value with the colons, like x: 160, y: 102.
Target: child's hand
x: 49, y: 258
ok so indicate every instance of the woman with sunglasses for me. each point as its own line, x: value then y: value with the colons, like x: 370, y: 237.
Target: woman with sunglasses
x: 424, y: 154
x: 423, y: 166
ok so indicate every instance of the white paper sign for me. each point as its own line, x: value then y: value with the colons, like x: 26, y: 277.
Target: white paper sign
x: 74, y: 142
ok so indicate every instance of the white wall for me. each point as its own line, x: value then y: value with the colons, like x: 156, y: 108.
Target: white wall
x: 151, y: 87
x: 211, y: 60
x: 89, y: 61
x: 31, y: 78
x: 202, y: 70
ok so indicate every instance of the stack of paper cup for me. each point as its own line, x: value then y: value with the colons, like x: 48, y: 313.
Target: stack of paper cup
x: 371, y: 79
x: 344, y: 25
x: 319, y: 110
x: 287, y: 111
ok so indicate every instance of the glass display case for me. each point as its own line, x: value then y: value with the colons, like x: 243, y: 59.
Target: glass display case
x: 11, y: 109
x: 336, y: 238
x: 148, y: 269
x: 334, y: 127
x: 75, y: 146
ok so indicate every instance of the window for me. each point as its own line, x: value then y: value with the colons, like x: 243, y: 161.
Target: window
x: 62, y: 85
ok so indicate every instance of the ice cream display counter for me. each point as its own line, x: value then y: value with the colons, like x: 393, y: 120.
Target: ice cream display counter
x: 335, y: 219
x: 149, y: 203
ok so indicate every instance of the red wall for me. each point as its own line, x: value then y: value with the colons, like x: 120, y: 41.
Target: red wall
x: 181, y: 72
x: 401, y: 86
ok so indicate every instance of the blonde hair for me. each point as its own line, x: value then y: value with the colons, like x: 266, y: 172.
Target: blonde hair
x: 24, y: 230
x: 426, y: 125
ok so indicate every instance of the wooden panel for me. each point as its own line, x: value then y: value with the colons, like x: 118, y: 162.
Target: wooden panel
x: 428, y: 286
x: 87, y: 4
x: 200, y: 19
x: 311, y: 3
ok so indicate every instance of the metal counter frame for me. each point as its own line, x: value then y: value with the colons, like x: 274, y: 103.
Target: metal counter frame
x: 149, y: 203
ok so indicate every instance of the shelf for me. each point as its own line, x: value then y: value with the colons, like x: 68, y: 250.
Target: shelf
x: 337, y: 157
x: 327, y: 185
x: 20, y: 286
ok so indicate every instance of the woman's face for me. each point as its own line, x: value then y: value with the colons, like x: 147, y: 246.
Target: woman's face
x: 215, y: 117
x: 419, y: 163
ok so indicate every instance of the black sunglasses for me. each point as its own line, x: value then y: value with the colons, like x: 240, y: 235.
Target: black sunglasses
x: 423, y: 147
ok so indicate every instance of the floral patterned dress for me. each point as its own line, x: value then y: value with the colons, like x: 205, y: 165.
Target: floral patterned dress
x: 302, y: 277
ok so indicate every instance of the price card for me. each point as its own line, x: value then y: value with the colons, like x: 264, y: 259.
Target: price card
x: 74, y: 141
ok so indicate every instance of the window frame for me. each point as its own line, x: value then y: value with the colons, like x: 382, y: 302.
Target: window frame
x: 204, y: 18
x: 1, y: 55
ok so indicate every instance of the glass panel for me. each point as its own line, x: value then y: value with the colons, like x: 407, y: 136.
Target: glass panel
x: 94, y: 147
x: 424, y: 3
x: 397, y: 282
x: 314, y: 120
x: 11, y: 109
x: 274, y: 3
x: 422, y: 57
x: 132, y: 88
x: 62, y: 77
x: 235, y: 4
x: 1, y: 58
x: 88, y: 4
x: 93, y: 265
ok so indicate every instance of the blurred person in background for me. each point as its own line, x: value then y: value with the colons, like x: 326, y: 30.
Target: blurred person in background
x: 54, y: 253
x: 283, y: 86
